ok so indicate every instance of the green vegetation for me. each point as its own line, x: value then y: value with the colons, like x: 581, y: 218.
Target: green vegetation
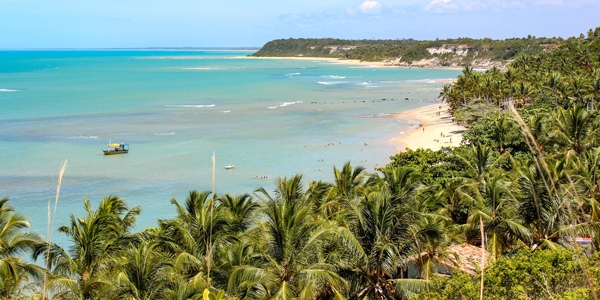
x: 526, y: 178
x: 460, y: 51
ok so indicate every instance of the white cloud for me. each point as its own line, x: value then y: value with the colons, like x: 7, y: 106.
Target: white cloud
x: 439, y: 5
x: 549, y: 2
x: 371, y: 7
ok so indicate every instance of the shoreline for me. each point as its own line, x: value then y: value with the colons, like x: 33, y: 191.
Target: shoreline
x: 429, y: 130
x: 374, y: 64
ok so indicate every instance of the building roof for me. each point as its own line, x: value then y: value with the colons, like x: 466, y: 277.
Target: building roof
x: 469, y: 258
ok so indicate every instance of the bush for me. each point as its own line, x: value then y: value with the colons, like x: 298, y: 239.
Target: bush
x: 543, y: 274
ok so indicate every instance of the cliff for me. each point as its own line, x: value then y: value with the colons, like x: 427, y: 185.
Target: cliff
x: 484, y: 53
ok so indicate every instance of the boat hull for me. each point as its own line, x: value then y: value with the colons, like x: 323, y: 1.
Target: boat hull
x: 114, y: 152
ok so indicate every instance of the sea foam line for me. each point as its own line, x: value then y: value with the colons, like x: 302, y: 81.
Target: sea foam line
x: 85, y: 137
x: 173, y: 105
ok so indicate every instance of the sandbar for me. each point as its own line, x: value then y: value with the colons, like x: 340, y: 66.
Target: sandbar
x: 433, y: 128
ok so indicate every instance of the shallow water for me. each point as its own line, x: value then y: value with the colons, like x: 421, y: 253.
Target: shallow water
x: 268, y: 117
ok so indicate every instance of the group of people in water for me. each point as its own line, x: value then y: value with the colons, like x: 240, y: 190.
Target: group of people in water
x: 320, y: 160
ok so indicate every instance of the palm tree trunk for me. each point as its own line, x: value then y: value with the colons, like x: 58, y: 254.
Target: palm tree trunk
x: 482, y: 255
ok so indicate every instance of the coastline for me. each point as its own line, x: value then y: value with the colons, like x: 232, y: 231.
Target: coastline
x: 374, y: 64
x: 430, y: 130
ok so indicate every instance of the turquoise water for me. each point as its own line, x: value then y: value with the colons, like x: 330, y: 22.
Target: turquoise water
x: 268, y: 117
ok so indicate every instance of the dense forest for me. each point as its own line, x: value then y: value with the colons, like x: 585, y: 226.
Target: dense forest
x: 524, y: 184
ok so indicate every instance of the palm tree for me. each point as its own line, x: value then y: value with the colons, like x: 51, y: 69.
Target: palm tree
x: 499, y: 216
x: 79, y: 272
x: 241, y: 209
x: 15, y: 273
x: 541, y: 210
x: 348, y: 182
x: 199, y: 229
x: 577, y: 87
x: 291, y: 267
x: 479, y: 160
x: 511, y: 76
x: 575, y: 129
x: 446, y: 92
x: 434, y: 235
x: 142, y: 273
x: 554, y: 81
x: 376, y: 247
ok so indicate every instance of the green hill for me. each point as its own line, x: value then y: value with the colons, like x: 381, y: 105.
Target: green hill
x: 448, y: 52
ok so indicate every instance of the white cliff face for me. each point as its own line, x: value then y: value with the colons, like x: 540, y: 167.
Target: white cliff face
x: 461, y: 50
x: 335, y: 49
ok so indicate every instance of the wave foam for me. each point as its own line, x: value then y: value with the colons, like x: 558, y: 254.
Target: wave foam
x: 168, y: 133
x: 423, y: 80
x: 226, y: 111
x: 272, y: 107
x: 289, y: 103
x: 333, y: 77
x: 85, y: 137
x: 207, y: 68
x: 8, y: 90
x: 173, y: 105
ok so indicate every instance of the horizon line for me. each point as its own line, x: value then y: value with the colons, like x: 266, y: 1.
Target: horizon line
x: 133, y: 48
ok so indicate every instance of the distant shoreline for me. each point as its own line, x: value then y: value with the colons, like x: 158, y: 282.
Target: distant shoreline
x: 133, y: 49
x: 375, y: 64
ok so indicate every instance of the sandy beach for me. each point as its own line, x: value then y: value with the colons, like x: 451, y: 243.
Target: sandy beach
x: 366, y: 64
x: 433, y: 131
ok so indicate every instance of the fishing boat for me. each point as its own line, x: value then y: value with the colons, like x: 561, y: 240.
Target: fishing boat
x: 116, y: 149
x: 229, y: 166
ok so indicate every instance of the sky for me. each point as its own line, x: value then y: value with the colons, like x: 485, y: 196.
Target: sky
x: 28, y: 24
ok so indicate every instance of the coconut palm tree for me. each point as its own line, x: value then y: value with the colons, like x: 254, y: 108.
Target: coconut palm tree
x: 291, y: 267
x: 498, y: 213
x: 15, y: 273
x: 241, y: 208
x: 142, y: 273
x: 552, y: 84
x: 201, y: 226
x: 78, y: 273
x: 575, y: 129
x: 433, y: 235
x: 349, y: 182
x: 376, y: 247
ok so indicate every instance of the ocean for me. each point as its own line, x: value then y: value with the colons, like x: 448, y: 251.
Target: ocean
x: 267, y: 117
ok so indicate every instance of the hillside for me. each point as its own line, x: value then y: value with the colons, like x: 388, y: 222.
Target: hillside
x: 408, y: 52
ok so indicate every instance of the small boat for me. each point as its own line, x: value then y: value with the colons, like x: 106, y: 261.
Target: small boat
x: 229, y: 166
x: 116, y: 149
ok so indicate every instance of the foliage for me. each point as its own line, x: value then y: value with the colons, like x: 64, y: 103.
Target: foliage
x: 432, y: 166
x: 547, y: 274
x: 407, y: 49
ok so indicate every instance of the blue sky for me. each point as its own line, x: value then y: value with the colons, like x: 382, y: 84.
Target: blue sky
x: 239, y: 23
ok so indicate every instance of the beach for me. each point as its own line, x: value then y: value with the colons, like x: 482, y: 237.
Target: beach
x: 434, y: 128
x: 372, y: 64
